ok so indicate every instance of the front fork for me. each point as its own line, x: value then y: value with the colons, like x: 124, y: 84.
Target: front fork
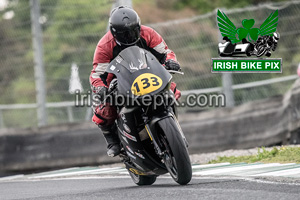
x: 153, y: 133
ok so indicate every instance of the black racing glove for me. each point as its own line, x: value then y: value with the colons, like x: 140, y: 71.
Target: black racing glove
x: 172, y: 65
x: 101, y: 92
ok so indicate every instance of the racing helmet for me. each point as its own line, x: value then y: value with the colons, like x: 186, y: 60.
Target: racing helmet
x: 125, y: 25
x: 276, y: 36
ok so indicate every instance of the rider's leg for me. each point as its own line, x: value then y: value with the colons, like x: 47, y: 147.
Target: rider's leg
x: 105, y: 116
x: 112, y: 139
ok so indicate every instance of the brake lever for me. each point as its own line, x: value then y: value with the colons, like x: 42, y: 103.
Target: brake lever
x: 175, y: 72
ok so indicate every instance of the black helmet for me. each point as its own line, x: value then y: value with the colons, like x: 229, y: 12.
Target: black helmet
x: 125, y: 25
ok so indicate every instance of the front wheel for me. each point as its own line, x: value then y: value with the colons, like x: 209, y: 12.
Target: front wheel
x: 176, y: 157
x: 142, y: 179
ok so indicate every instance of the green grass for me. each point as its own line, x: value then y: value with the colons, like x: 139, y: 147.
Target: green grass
x: 276, y: 155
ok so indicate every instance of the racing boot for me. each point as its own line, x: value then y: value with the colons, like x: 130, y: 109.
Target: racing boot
x: 112, y: 139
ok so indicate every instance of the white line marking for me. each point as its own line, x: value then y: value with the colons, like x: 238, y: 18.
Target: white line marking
x: 209, y: 165
x: 238, y: 168
x: 282, y: 172
x: 7, y: 178
x: 93, y: 171
x: 70, y: 178
x: 223, y: 169
x: 56, y: 171
x: 165, y: 177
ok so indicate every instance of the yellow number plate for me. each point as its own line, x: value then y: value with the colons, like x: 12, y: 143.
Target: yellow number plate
x: 146, y: 83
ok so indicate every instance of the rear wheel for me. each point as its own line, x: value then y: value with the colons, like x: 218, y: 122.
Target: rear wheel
x: 176, y: 157
x: 142, y: 179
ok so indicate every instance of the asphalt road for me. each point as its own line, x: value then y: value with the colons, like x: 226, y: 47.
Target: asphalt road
x: 163, y: 188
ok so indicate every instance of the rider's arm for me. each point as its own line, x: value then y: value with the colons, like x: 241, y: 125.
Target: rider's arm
x: 102, y: 57
x: 156, y: 42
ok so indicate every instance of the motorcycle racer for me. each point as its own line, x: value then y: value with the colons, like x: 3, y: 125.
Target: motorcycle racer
x: 125, y: 30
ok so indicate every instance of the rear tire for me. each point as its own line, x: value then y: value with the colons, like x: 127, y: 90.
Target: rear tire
x: 142, y: 179
x: 176, y: 156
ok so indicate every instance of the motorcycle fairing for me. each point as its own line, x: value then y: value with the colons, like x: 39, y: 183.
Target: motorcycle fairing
x: 150, y: 164
x: 133, y: 62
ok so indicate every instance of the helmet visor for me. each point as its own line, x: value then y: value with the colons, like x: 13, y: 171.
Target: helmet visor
x: 129, y: 36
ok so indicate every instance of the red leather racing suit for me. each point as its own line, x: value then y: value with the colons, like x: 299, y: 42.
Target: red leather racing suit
x: 107, y: 49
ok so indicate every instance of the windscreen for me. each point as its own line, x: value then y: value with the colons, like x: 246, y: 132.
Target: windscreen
x: 132, y: 58
x: 138, y: 72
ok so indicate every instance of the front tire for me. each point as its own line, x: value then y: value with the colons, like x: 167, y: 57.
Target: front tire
x: 176, y: 157
x: 142, y: 179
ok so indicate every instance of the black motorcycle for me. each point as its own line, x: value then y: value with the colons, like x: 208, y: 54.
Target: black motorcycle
x: 265, y: 44
x: 151, y: 138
